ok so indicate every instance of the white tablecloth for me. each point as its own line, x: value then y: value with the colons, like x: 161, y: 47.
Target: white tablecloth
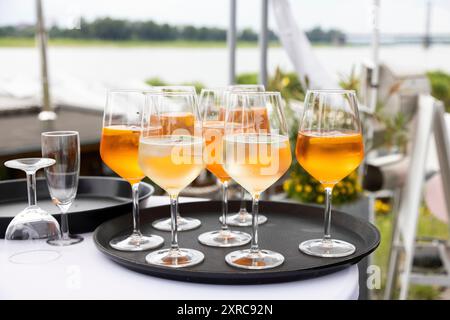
x: 82, y: 272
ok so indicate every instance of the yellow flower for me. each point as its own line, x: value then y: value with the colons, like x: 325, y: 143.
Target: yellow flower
x: 353, y: 175
x: 340, y: 184
x: 285, y: 82
x: 298, y: 188
x: 308, y: 188
x: 378, y: 205
x: 386, y: 207
x: 320, y: 199
x: 320, y: 188
x: 286, y: 185
x: 343, y: 191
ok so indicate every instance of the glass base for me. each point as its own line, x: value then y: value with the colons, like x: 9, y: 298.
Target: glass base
x: 62, y: 242
x: 136, y: 243
x: 32, y: 223
x: 248, y: 259
x: 184, y: 224
x: 243, y: 219
x: 175, y: 258
x: 34, y: 256
x: 224, y: 239
x: 327, y: 248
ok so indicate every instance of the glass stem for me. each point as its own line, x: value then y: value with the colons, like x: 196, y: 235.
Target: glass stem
x: 31, y: 188
x: 173, y: 221
x: 178, y: 214
x: 136, y: 221
x: 64, y: 222
x: 255, y: 206
x: 224, y: 206
x: 327, y: 225
x: 243, y: 208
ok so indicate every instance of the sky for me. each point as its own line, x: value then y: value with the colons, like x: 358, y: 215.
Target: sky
x: 351, y: 16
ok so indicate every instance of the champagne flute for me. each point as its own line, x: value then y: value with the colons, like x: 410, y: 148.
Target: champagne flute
x: 171, y: 120
x: 62, y: 177
x: 212, y: 101
x: 172, y: 160
x: 119, y: 151
x: 256, y: 160
x: 329, y: 147
x: 243, y: 218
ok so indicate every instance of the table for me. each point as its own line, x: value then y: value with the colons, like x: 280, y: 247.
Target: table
x: 82, y: 272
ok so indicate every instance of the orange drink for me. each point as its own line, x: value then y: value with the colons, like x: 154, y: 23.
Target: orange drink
x: 330, y: 156
x: 256, y: 161
x: 119, y: 151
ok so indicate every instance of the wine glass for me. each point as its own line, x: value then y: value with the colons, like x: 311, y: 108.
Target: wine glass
x: 172, y: 120
x: 62, y: 177
x: 119, y: 151
x: 212, y: 102
x: 172, y: 158
x: 243, y: 218
x: 329, y: 147
x: 256, y: 160
x: 32, y: 222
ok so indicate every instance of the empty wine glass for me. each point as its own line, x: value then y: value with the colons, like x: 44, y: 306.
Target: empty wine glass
x: 243, y: 218
x: 32, y: 222
x: 62, y: 177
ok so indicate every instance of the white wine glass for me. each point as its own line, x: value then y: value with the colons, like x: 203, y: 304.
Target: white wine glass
x: 256, y: 160
x: 171, y: 120
x: 62, y: 177
x: 243, y: 218
x: 212, y: 102
x: 172, y: 158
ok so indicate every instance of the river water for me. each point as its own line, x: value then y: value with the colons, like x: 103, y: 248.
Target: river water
x: 80, y: 75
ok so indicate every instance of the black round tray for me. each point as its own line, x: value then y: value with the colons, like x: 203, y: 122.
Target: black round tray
x: 98, y: 200
x: 288, y: 225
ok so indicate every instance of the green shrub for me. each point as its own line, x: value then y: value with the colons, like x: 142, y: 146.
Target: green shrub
x: 440, y: 87
x: 247, y: 78
x: 156, y: 82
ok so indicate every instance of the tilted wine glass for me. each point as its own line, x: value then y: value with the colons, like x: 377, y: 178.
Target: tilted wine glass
x: 329, y: 147
x: 32, y: 222
x: 172, y: 158
x: 119, y: 151
x: 243, y: 218
x: 256, y: 160
x: 212, y: 103
x: 62, y: 177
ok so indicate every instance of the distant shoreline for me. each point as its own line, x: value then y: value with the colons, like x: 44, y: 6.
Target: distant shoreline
x: 16, y: 42
x: 69, y: 42
x: 10, y: 42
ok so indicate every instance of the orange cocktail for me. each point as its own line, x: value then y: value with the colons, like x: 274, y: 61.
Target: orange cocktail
x: 330, y: 156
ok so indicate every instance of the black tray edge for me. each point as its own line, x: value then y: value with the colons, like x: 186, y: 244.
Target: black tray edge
x: 239, y: 279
